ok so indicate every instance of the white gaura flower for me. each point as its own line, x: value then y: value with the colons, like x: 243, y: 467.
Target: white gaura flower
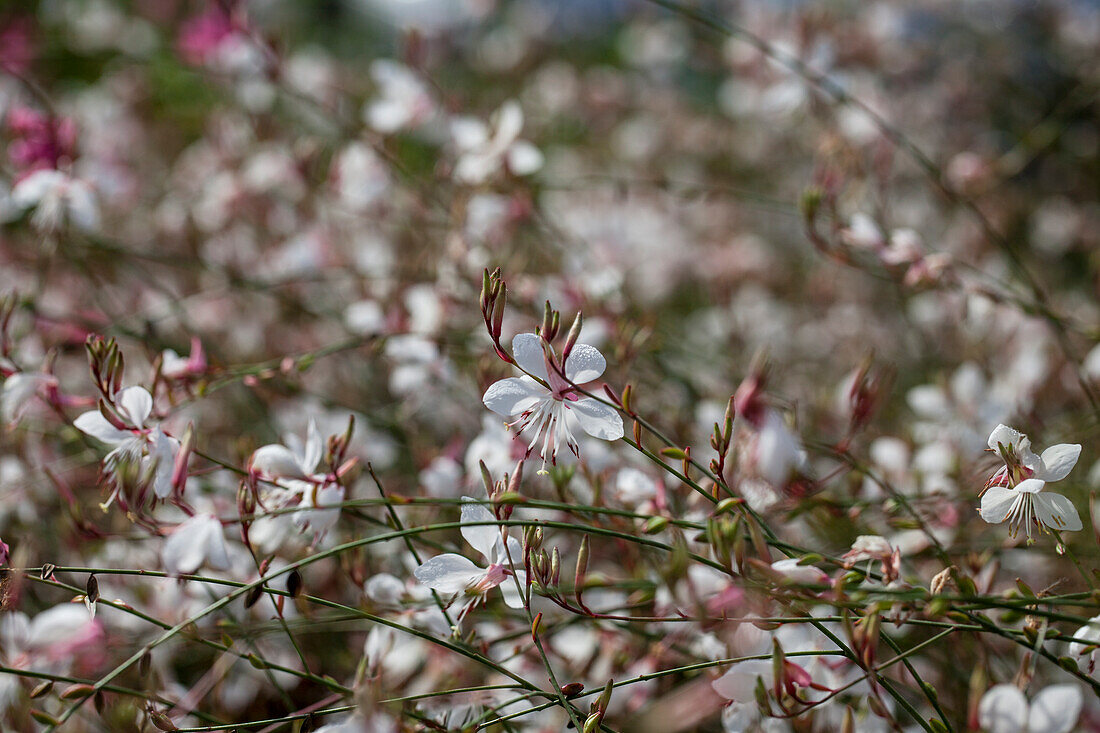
x: 1015, y: 491
x: 403, y: 100
x: 1087, y: 651
x: 452, y: 575
x: 19, y: 389
x: 136, y: 443
x: 291, y: 479
x: 1004, y: 709
x: 482, y: 153
x: 551, y: 412
x: 198, y: 541
x: 57, y: 198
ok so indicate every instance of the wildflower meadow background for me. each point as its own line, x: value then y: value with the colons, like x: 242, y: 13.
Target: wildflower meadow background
x: 636, y: 366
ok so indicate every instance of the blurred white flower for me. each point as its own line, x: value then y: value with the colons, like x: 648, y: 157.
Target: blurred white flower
x: 196, y: 542
x: 57, y: 198
x: 403, y: 100
x: 482, y: 152
x: 19, y: 389
x: 1004, y: 709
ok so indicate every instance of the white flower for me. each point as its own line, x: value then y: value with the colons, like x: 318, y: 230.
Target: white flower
x: 451, y: 574
x: 149, y: 447
x: 291, y: 480
x: 482, y: 153
x: 1004, y: 709
x: 1015, y: 491
x: 868, y: 547
x: 403, y: 100
x: 192, y: 544
x: 299, y: 461
x: 1087, y: 651
x: 808, y: 574
x: 18, y: 391
x: 57, y: 198
x: 549, y: 410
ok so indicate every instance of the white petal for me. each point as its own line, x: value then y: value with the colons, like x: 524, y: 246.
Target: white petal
x: 524, y: 158
x: 508, y: 123
x: 95, y: 425
x: 1058, y: 461
x: 1055, y: 709
x: 135, y: 404
x: 57, y: 625
x: 468, y: 133
x: 1030, y: 486
x: 164, y: 453
x: 1056, y: 511
x: 31, y: 189
x: 514, y: 395
x: 1004, y: 435
x: 739, y: 717
x: 216, y: 555
x: 448, y: 574
x: 276, y: 461
x: 997, y: 502
x: 482, y: 537
x: 83, y: 209
x: 18, y: 390
x: 740, y: 682
x: 512, y: 595
x: 193, y: 542
x: 585, y: 363
x: 597, y: 419
x: 1003, y: 709
x: 528, y: 353
x: 313, y: 449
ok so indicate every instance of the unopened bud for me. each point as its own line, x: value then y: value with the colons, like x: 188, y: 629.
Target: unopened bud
x: 571, y: 338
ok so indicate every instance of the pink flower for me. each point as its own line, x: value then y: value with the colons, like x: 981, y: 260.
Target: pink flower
x: 200, y: 36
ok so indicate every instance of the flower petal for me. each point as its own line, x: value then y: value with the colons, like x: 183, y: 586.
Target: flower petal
x: 449, y: 574
x: 1006, y: 436
x: 1056, y: 511
x: 997, y: 502
x: 1058, y: 461
x: 739, y: 684
x: 514, y: 395
x: 597, y: 419
x: 511, y: 593
x: 524, y: 158
x: 136, y: 404
x: 528, y: 353
x: 482, y: 537
x: 1055, y: 709
x: 1003, y: 709
x: 276, y: 461
x: 314, y: 447
x: 197, y: 540
x: 94, y: 424
x: 585, y: 363
x: 164, y: 453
